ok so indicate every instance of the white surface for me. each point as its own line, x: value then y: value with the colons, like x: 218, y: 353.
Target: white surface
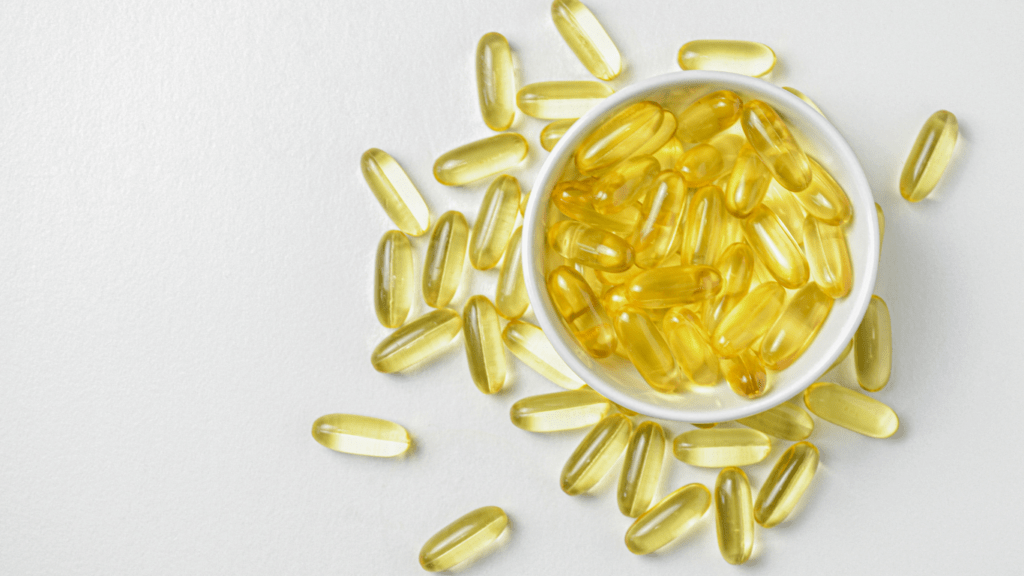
x: 186, y: 250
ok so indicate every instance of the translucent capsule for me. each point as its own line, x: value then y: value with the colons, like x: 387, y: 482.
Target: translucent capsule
x: 573, y: 199
x: 418, y: 340
x: 689, y: 345
x: 669, y: 286
x: 641, y: 469
x: 494, y: 223
x: 486, y: 355
x: 619, y: 137
x: 796, y: 327
x: 590, y: 246
x: 596, y: 454
x: 581, y: 311
x: 669, y: 154
x: 530, y: 345
x: 702, y: 227
x: 736, y: 265
x: 559, y: 411
x: 511, y: 298
x: 776, y: 247
x: 748, y: 183
x: 669, y: 519
x: 495, y: 81
x: 929, y: 157
x: 708, y: 116
x: 872, y: 347
x: 720, y: 447
x: 785, y: 484
x: 395, y: 192
x: 786, y: 421
x: 467, y: 537
x: 561, y: 100
x: 734, y: 516
x: 828, y: 257
x: 618, y: 278
x: 717, y: 308
x: 666, y: 132
x: 745, y: 374
x: 663, y: 208
x: 842, y: 355
x: 623, y: 185
x: 587, y: 38
x: 791, y: 214
x: 736, y: 56
x: 881, y: 226
x: 480, y: 159
x: 446, y: 255
x: 361, y: 435
x: 850, y: 409
x: 775, y: 145
x: 824, y: 197
x: 803, y: 97
x: 392, y: 279
x: 701, y: 165
x: 749, y: 319
x: 553, y: 132
x: 647, y: 350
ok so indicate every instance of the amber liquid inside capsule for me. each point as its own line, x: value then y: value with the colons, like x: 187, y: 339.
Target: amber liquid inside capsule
x: 669, y: 286
x: 581, y: 311
x: 530, y: 345
x: 734, y: 516
x: 749, y: 319
x: 851, y: 410
x: 690, y: 346
x: 775, y: 145
x: 786, y: 421
x: 619, y: 137
x: 708, y: 116
x: 669, y: 519
x: 776, y: 248
x: 480, y: 159
x: 828, y: 257
x: 494, y: 223
x: 446, y: 255
x: 666, y: 132
x: 495, y: 81
x: 596, y: 454
x: 395, y: 191
x: 824, y: 198
x: 511, y: 298
x: 663, y: 209
x: 669, y: 153
x: 702, y: 227
x: 467, y: 537
x: 648, y: 350
x: 720, y: 447
x: 624, y: 184
x: 748, y: 183
x: 559, y: 411
x: 484, y: 350
x: 785, y: 206
x: 573, y: 199
x: 929, y: 156
x: 417, y: 341
x: 872, y: 347
x: 553, y: 132
x: 745, y: 374
x: 786, y: 484
x: 560, y: 100
x: 361, y: 435
x: 796, y: 327
x: 736, y: 265
x: 701, y: 165
x: 736, y: 56
x: 590, y: 246
x: 392, y: 280
x: 587, y: 38
x: 641, y: 469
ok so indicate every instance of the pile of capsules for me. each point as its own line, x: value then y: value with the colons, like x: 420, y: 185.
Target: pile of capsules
x: 754, y: 198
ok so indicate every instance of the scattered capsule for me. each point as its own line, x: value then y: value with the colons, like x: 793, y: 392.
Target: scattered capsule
x: 624, y: 184
x: 785, y: 484
x: 776, y: 247
x: 590, y: 246
x: 395, y: 192
x: 669, y: 153
x: 530, y: 345
x: 572, y: 198
x: 495, y: 81
x: 702, y: 227
x: 559, y: 411
x: 561, y: 100
x: 669, y: 286
x: 824, y: 197
x: 619, y: 137
x: 689, y: 345
x: 641, y: 469
x: 872, y: 347
x: 851, y: 410
x: 701, y: 165
x: 796, y: 327
x: 553, y: 132
x: 745, y: 374
x: 647, y: 350
x: 596, y: 454
x: 736, y: 56
x: 511, y: 298
x: 803, y: 97
x: 929, y: 157
x: 480, y: 159
x: 587, y: 38
x: 418, y: 340
x: 669, y: 519
x: 784, y: 204
x: 708, y: 116
x: 666, y: 132
x: 663, y: 207
x: 467, y: 537
x: 494, y: 223
x: 361, y: 435
x: 842, y: 355
x: 720, y: 447
x: 749, y: 319
x: 392, y: 280
x: 486, y: 355
x: 446, y: 255
x: 881, y: 226
x: 734, y: 516
x: 775, y: 145
x: 581, y: 311
x: 786, y: 421
x: 748, y: 183
x: 828, y: 257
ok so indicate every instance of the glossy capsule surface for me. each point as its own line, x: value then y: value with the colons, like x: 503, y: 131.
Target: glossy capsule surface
x: 666, y: 132
x: 736, y: 265
x: 495, y: 81
x: 446, y: 256
x: 803, y: 97
x: 596, y: 454
x: 641, y: 469
x: 669, y: 286
x: 736, y: 56
x: 872, y: 347
x: 417, y: 341
x: 734, y: 515
x: 776, y: 248
x: 393, y: 279
x: 669, y: 153
x: 484, y: 349
x: 572, y: 198
x: 702, y: 227
x: 929, y: 156
x: 774, y: 143
x: 494, y: 223
x: 567, y: 410
x: 560, y: 100
x: 669, y: 519
x: 619, y: 137
x: 465, y: 538
x: 395, y: 191
x: 480, y: 159
x: 701, y: 165
x: 785, y: 484
x: 530, y: 345
x: 663, y: 207
x: 553, y: 132
x: 361, y: 435
x: 590, y: 246
x: 824, y: 198
x: 745, y: 374
x: 582, y: 311
x: 828, y: 257
x: 689, y: 344
x: 715, y: 309
x: 511, y: 298
x: 587, y: 38
x: 748, y: 183
x: 786, y: 421
x: 647, y: 350
x: 720, y: 447
x: 624, y: 184
x: 790, y: 213
x: 708, y: 116
x: 749, y: 319
x: 795, y: 329
x: 851, y: 410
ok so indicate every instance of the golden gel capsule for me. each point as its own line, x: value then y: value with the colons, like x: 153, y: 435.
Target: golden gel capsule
x: 720, y: 447
x: 361, y: 435
x: 641, y: 469
x: 828, y: 257
x: 702, y: 227
x: 745, y: 374
x: 395, y: 192
x: 715, y: 309
x: 669, y: 153
x: 701, y: 165
x: 708, y: 116
x: 494, y: 223
x: 467, y: 537
x: 736, y: 56
x: 553, y: 132
x: 573, y: 199
x: 881, y: 226
x: 618, y: 278
x: 416, y: 341
x: 786, y: 421
x: 842, y: 355
x: 561, y: 100
x: 749, y: 319
x: 647, y: 350
x: 669, y: 286
x: 559, y: 411
x: 619, y: 137
x: 530, y: 345
x: 736, y: 265
x: 495, y: 81
x: 484, y: 350
x: 596, y: 454
x: 784, y: 204
x: 775, y: 145
x: 446, y: 255
x: 590, y: 246
x: 666, y: 132
x: 480, y: 159
x: 734, y: 516
x: 785, y: 484
x: 776, y: 247
x: 511, y: 298
x: 663, y: 207
x: 392, y: 279
x: 581, y: 311
x: 824, y: 197
x: 796, y: 327
x: 851, y: 410
x: 803, y: 97
x: 587, y: 38
x: 689, y: 345
x: 669, y: 519
x: 872, y: 347
x: 624, y: 184
x: 929, y: 157
x: 748, y: 183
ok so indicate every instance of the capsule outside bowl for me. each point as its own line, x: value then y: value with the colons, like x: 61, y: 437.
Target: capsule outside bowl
x: 614, y: 377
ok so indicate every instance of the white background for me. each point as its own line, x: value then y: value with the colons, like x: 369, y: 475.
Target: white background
x: 186, y: 249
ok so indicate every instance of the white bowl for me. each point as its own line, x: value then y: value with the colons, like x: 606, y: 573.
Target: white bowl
x: 615, y: 377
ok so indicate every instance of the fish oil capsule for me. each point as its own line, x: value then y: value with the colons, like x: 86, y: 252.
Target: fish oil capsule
x: 796, y: 327
x: 573, y: 199
x: 561, y: 100
x: 775, y: 145
x: 587, y: 38
x: 392, y: 280
x: 785, y: 484
x: 851, y: 410
x: 446, y: 255
x: 596, y: 454
x: 361, y: 435
x: 624, y: 184
x: 619, y: 137
x: 511, y: 298
x: 669, y: 153
x: 749, y: 319
x: 480, y: 159
x: 828, y: 257
x: 734, y: 516
x: 881, y: 226
x: 803, y: 97
x: 553, y: 132
x: 666, y: 132
x: 702, y: 227
x: 648, y: 350
x: 670, y: 286
x: 790, y: 212
x: 467, y: 537
x: 418, y: 340
x: 494, y: 223
x: 842, y: 355
x: 708, y: 116
x: 495, y: 81
x: 786, y: 421
x: 929, y: 157
x: 395, y: 192
x: 776, y: 247
x: 720, y: 447
x: 530, y: 345
x: 717, y: 308
x: 690, y: 347
x: 746, y: 374
x: 701, y: 165
x: 669, y: 519
x: 559, y: 411
x: 748, y: 183
x: 663, y: 207
x: 641, y: 469
x: 590, y: 246
x: 736, y: 265
x: 736, y: 56
x: 581, y: 311
x: 872, y: 347
x: 824, y: 197
x: 484, y: 351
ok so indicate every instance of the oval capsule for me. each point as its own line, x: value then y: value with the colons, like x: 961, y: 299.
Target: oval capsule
x: 720, y: 447
x: 641, y: 469
x: 446, y: 256
x: 529, y: 344
x: 708, y: 116
x: 872, y: 347
x: 786, y: 421
x: 702, y: 227
x: 824, y: 197
x: 494, y: 223
x: 553, y: 132
x: 775, y: 146
x: 587, y: 38
x: 665, y: 132
x: 465, y: 538
x: 572, y: 198
x: 495, y: 81
x: 395, y: 191
x: 828, y: 257
x: 669, y: 519
x: 796, y: 327
x: 790, y: 213
x: 590, y: 246
x: 417, y: 341
x: 690, y: 346
x: 715, y: 309
x: 749, y: 319
x: 929, y: 156
x: 776, y: 247
x: 511, y: 298
x: 581, y: 311
x: 785, y: 484
x: 596, y: 454
x: 619, y: 137
x: 647, y: 350
x: 623, y: 185
x: 736, y: 56
x: 562, y: 99
x: 484, y: 350
x: 480, y: 159
x: 851, y: 410
x: 663, y: 207
x: 701, y: 165
x: 392, y: 279
x: 748, y: 183
x: 736, y: 265
x: 567, y: 410
x: 670, y: 286
x: 361, y: 435
x: 734, y: 515
x: 746, y: 374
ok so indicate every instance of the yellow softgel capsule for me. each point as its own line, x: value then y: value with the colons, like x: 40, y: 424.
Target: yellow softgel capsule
x: 842, y: 355
x: 392, y: 279
x: 745, y: 374
x: 736, y: 56
x: 715, y: 309
x: 736, y: 265
x: 749, y: 319
x: 618, y: 278
x: 511, y: 298
x: 748, y: 183
x: 796, y: 327
x: 561, y: 100
x: 395, y: 191
x: 670, y: 286
x: 619, y: 137
x: 641, y: 469
x: 417, y: 341
x: 648, y: 350
x: 669, y: 153
x: 776, y: 248
x: 494, y: 223
x: 581, y: 311
x: 786, y: 421
x: 734, y: 515
x: 791, y: 214
x: 572, y: 198
x: 701, y: 165
x: 480, y: 159
x: 596, y: 454
x: 663, y: 207
x: 720, y: 447
x: 872, y: 347
x: 824, y: 197
x: 553, y: 132
x: 587, y: 38
x: 775, y: 145
x: 803, y: 97
x: 624, y: 184
x: 690, y: 346
x: 590, y: 246
x: 851, y: 410
x: 881, y: 226
x: 484, y: 350
x: 669, y: 519
x: 466, y: 538
x: 828, y: 257
x: 361, y: 435
x: 530, y: 345
x: 785, y: 484
x: 559, y: 411
x: 708, y: 116
x: 929, y: 157
x: 446, y: 255
x: 702, y: 227
x: 495, y: 81
x: 666, y: 132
